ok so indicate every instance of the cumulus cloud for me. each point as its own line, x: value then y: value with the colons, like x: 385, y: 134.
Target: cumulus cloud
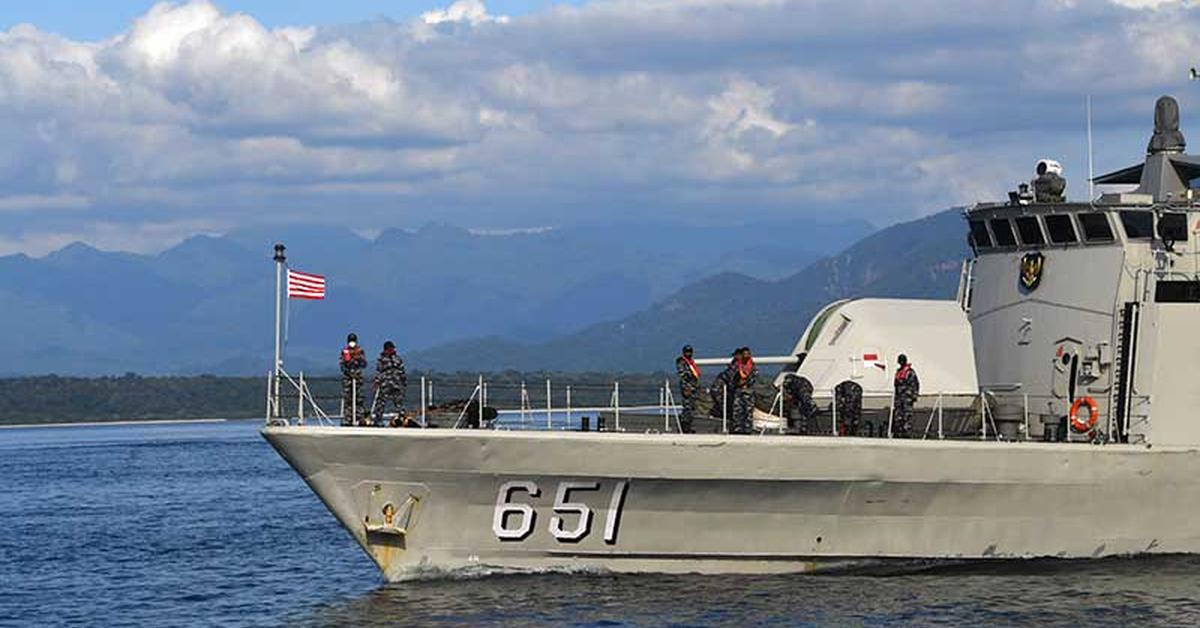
x: 198, y: 117
x: 470, y: 11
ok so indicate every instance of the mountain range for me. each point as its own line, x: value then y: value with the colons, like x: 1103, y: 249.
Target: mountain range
x: 204, y: 305
x: 917, y: 259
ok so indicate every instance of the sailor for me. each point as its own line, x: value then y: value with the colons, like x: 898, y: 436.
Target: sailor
x: 908, y: 388
x: 689, y: 388
x: 743, y: 400
x: 722, y: 390
x: 352, y: 362
x: 391, y: 383
x: 801, y: 409
x: 847, y: 399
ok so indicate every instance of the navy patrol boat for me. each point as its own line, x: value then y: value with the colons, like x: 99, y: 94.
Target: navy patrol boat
x: 1067, y: 427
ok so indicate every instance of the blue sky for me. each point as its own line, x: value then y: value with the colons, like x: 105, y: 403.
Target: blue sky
x: 99, y: 20
x: 132, y: 126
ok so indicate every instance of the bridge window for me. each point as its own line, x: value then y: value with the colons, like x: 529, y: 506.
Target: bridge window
x: 979, y: 234
x: 1030, y: 231
x: 1002, y: 229
x: 1173, y: 227
x: 1060, y: 229
x: 1095, y: 227
x: 1138, y: 225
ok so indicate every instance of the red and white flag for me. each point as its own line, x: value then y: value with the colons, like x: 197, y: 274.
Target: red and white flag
x: 305, y: 285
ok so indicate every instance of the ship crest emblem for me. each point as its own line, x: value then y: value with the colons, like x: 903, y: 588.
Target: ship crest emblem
x: 1031, y: 270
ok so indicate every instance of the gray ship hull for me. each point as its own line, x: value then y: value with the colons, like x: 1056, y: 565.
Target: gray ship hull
x: 471, y: 499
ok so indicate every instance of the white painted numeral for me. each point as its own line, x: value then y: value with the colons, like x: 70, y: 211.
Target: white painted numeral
x: 613, y: 520
x: 504, y: 509
x: 561, y: 506
x: 506, y: 529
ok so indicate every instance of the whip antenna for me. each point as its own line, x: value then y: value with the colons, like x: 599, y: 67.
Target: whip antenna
x: 1091, y: 173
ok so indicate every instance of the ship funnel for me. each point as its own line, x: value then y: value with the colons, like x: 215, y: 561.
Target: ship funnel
x: 1167, y: 172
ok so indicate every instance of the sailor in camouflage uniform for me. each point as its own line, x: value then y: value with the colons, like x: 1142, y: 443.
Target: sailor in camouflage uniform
x: 743, y: 400
x: 908, y: 389
x: 847, y: 396
x: 801, y: 409
x: 352, y: 362
x: 391, y: 384
x: 689, y: 388
x: 722, y: 391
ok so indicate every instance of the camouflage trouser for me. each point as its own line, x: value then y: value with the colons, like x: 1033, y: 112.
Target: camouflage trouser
x: 393, y: 395
x: 718, y: 396
x: 801, y: 408
x: 848, y: 398
x: 743, y: 412
x: 352, y: 397
x: 902, y: 419
x: 687, y: 409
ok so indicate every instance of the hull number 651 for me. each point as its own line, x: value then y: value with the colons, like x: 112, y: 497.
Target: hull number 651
x: 514, y: 520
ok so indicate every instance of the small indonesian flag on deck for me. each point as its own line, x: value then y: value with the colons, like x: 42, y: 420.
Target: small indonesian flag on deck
x: 305, y: 285
x: 871, y: 358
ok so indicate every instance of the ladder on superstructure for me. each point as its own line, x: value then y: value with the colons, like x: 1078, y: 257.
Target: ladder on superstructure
x: 1124, y: 358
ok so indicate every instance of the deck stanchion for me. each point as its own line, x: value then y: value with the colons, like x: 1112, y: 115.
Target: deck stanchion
x: 617, y: 404
x: 568, y: 406
x: 663, y: 407
x: 270, y: 379
x: 480, y: 390
x: 669, y: 398
x: 891, y: 413
x: 1026, y: 404
x: 300, y: 401
x: 725, y: 409
x: 524, y: 404
x: 941, y: 408
x: 549, y: 423
x: 835, y: 430
x: 783, y: 421
x: 424, y: 403
x: 779, y: 398
x: 983, y: 416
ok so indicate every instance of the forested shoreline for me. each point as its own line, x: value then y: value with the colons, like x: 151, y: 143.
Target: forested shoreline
x: 131, y: 397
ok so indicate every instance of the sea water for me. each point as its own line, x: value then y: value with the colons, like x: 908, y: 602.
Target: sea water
x: 203, y: 524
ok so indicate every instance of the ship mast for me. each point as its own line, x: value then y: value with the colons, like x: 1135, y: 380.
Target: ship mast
x: 277, y: 365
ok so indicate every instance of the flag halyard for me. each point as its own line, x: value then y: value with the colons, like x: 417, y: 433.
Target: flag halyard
x: 305, y: 285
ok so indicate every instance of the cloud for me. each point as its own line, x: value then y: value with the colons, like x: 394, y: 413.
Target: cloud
x: 147, y: 237
x: 1150, y: 4
x: 197, y: 117
x: 469, y: 11
x: 34, y: 202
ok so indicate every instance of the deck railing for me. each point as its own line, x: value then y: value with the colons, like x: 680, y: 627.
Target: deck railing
x: 644, y: 407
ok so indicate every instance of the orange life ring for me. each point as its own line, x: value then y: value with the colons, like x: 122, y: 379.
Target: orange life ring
x: 1093, y: 414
